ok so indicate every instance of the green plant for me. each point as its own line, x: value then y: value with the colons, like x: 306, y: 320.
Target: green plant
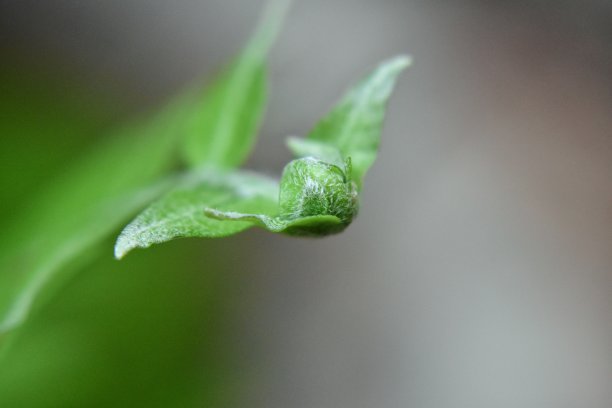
x: 213, y: 132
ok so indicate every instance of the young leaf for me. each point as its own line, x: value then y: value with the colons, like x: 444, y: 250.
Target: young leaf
x: 317, y: 195
x: 180, y: 213
x: 222, y: 131
x: 354, y: 125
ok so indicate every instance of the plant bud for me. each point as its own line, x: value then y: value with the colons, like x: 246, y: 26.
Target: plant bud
x: 311, y: 187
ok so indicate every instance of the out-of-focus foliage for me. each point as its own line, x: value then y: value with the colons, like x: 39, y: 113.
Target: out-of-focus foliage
x: 135, y: 333
x: 77, y: 209
x: 149, y: 331
x: 222, y: 129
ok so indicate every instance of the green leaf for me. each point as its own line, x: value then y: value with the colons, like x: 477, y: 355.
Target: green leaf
x: 354, y: 125
x: 181, y: 212
x: 222, y: 130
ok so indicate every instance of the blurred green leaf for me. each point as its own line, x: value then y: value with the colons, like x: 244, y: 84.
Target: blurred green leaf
x: 180, y: 213
x: 135, y: 334
x: 44, y: 122
x: 354, y: 125
x: 222, y: 131
x: 80, y: 208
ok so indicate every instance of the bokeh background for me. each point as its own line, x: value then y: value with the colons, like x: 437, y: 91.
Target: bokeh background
x: 479, y: 273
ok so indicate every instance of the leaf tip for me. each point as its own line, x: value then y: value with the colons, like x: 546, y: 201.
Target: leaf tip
x: 120, y: 251
x: 270, y: 24
x: 398, y: 63
x: 403, y: 60
x: 123, y: 246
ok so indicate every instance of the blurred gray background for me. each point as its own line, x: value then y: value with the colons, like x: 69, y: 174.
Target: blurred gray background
x: 479, y: 272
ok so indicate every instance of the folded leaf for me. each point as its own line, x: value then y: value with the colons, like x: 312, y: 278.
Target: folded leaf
x: 222, y: 130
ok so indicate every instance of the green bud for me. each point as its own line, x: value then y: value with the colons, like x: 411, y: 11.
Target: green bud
x: 316, y: 199
x: 310, y: 187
